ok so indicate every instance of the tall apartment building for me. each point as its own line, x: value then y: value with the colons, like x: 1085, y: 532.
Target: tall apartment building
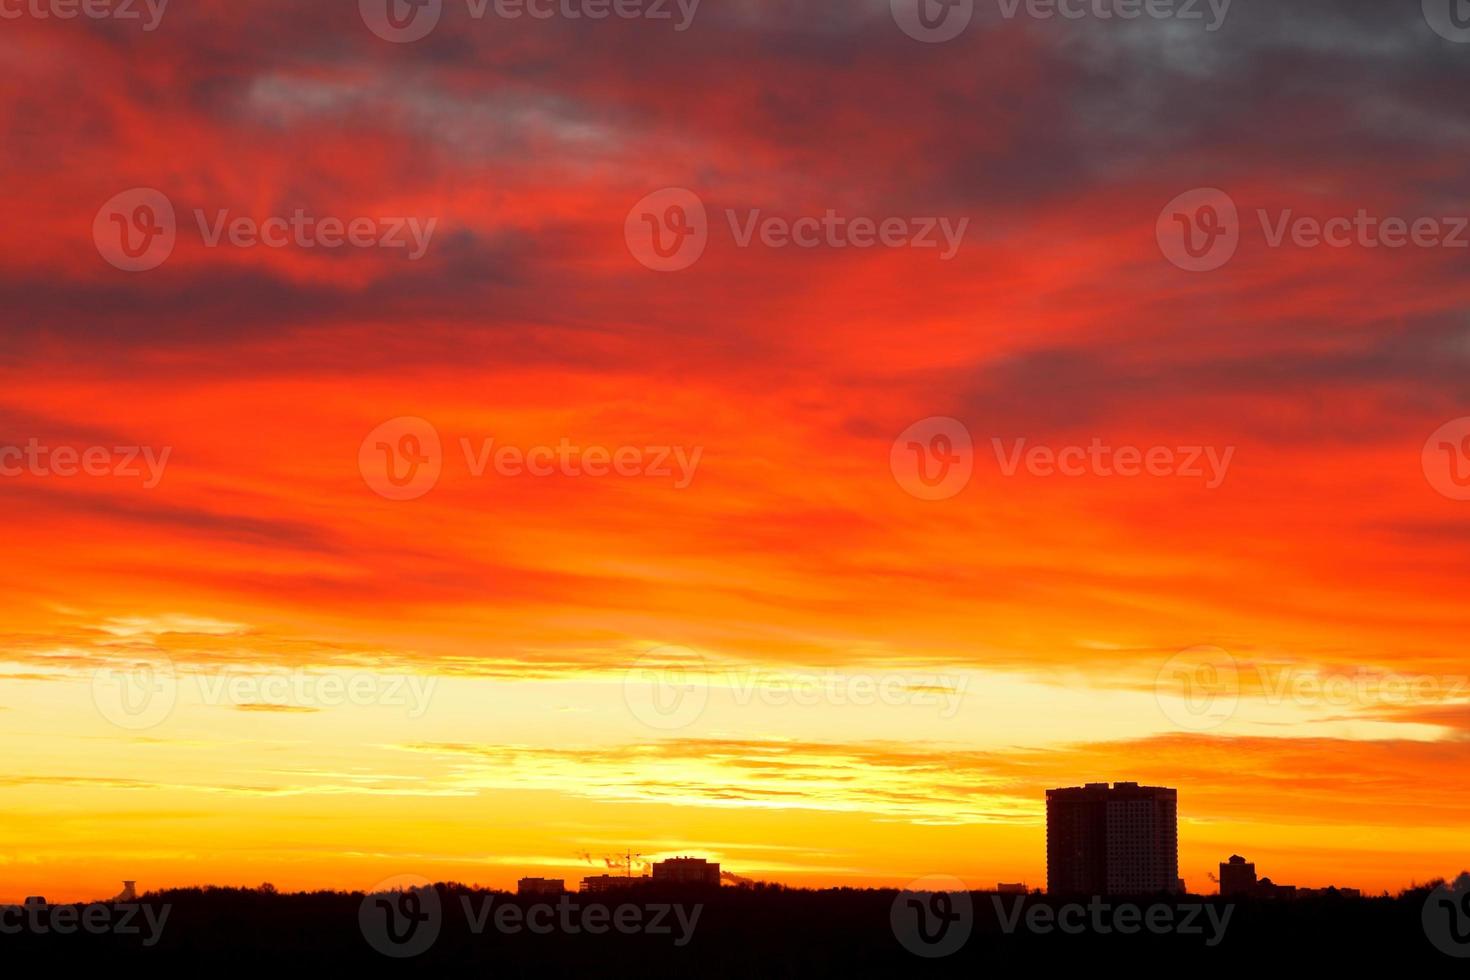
x: 1118, y: 840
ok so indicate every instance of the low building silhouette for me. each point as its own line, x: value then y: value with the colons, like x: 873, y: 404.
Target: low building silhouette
x: 1007, y: 888
x: 611, y: 883
x: 1266, y: 888
x: 687, y: 871
x: 1329, y: 890
x: 1237, y: 876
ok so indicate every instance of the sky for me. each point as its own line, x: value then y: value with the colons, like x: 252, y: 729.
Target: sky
x: 778, y: 432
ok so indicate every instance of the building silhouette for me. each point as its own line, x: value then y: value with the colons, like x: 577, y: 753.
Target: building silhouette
x: 613, y: 883
x: 541, y: 886
x: 1266, y: 888
x: 1237, y: 876
x: 1118, y: 840
x: 1340, y: 892
x: 687, y: 871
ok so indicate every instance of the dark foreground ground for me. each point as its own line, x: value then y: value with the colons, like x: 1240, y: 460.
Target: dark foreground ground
x: 746, y: 932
